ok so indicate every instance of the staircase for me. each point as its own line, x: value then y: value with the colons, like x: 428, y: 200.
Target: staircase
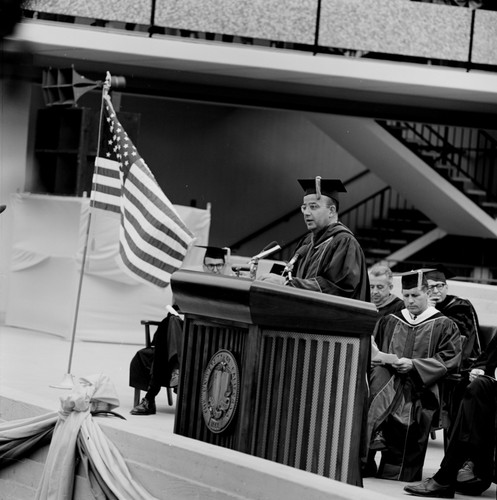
x: 386, y: 235
x: 465, y: 157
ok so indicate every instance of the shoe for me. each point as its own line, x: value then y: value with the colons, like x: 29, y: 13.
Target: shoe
x: 466, y: 472
x: 145, y: 407
x: 378, y: 442
x: 174, y: 378
x: 369, y: 469
x: 430, y: 488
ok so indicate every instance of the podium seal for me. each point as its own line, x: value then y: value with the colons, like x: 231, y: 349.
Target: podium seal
x: 220, y: 391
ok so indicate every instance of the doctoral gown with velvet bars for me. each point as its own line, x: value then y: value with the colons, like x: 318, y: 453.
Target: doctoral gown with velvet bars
x: 404, y: 404
x: 332, y: 262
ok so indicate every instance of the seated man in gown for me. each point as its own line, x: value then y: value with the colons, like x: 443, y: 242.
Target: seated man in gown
x: 145, y: 372
x: 403, y: 391
x: 381, y: 285
x: 469, y: 465
x: 460, y: 310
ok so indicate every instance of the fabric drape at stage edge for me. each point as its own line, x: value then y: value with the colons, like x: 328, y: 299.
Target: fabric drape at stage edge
x: 20, y: 438
x: 75, y: 434
x: 153, y: 240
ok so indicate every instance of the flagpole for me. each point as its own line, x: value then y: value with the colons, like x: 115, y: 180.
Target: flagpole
x: 68, y: 379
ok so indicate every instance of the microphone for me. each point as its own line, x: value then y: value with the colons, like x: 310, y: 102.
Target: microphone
x: 238, y: 269
x: 289, y: 267
x: 268, y: 250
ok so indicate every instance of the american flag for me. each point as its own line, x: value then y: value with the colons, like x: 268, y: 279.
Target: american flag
x: 153, y: 240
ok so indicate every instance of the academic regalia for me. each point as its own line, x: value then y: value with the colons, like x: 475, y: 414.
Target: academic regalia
x: 393, y: 305
x: 332, y: 262
x: 406, y: 403
x: 147, y: 374
x: 462, y: 312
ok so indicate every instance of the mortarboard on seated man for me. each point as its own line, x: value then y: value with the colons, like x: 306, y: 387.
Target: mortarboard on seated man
x: 328, y: 259
x: 403, y: 394
x: 460, y: 310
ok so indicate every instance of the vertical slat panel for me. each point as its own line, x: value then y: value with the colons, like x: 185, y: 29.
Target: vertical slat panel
x: 306, y: 404
x: 201, y: 343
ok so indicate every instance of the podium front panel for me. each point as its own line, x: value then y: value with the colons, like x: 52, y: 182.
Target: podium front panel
x: 201, y: 342
x: 309, y: 402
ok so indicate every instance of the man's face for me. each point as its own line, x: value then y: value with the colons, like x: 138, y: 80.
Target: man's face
x: 380, y: 289
x: 415, y: 300
x: 437, y: 291
x: 317, y: 213
x: 215, y: 266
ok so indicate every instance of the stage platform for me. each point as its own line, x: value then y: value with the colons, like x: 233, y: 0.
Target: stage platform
x: 32, y: 361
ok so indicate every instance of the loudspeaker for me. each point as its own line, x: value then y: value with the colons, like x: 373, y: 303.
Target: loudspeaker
x: 65, y: 86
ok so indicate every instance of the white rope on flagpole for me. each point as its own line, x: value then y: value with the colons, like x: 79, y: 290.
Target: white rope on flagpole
x: 68, y: 379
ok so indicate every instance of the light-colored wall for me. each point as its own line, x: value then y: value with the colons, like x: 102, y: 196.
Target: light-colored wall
x: 14, y: 125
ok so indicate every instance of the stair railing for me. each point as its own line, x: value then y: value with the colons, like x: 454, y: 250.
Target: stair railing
x: 468, y: 153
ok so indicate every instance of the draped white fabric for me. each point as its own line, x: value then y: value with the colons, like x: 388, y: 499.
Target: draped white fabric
x: 49, y: 233
x: 76, y: 426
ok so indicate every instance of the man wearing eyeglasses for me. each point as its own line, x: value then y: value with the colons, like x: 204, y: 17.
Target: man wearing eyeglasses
x: 215, y: 260
x: 329, y: 259
x: 459, y: 310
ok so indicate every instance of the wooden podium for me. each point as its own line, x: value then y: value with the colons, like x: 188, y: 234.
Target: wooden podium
x: 273, y: 371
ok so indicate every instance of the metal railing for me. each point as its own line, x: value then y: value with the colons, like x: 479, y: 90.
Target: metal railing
x: 156, y: 20
x: 466, y: 154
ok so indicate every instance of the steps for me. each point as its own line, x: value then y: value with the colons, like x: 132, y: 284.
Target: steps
x: 387, y: 235
x: 464, y: 157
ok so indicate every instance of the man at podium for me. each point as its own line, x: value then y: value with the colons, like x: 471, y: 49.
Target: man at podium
x: 328, y: 259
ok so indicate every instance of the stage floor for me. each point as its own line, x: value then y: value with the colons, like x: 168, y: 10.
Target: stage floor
x: 32, y: 361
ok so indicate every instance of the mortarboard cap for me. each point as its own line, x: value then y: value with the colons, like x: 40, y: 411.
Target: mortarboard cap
x: 326, y: 187
x: 414, y: 279
x: 214, y: 252
x: 439, y: 273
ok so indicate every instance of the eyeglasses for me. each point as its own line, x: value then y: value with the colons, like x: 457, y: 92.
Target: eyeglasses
x: 438, y: 287
x: 213, y: 267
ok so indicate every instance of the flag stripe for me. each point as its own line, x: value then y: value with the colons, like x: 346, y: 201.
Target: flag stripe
x: 150, y: 246
x: 151, y: 192
x: 148, y: 216
x: 138, y: 273
x: 106, y: 189
x: 153, y: 240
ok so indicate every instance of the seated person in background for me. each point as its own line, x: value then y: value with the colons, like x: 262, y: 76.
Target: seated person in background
x: 469, y: 465
x: 328, y: 259
x: 215, y: 259
x: 404, y: 394
x: 167, y: 343
x: 381, y: 284
x: 459, y: 310
x: 158, y: 366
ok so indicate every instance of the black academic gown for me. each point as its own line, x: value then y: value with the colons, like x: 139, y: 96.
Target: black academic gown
x: 403, y: 405
x: 462, y: 312
x: 151, y: 367
x: 473, y: 433
x: 394, y: 304
x: 333, y: 262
